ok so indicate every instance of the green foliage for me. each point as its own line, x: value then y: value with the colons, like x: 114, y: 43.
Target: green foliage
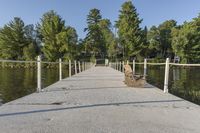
x: 186, y: 41
x: 52, y: 34
x: 32, y: 49
x: 94, y: 41
x: 12, y: 39
x: 29, y: 52
x: 15, y: 38
x: 72, y: 39
x: 129, y: 31
x: 166, y: 38
x: 57, y: 39
x: 144, y: 51
x: 160, y: 39
x: 109, y: 39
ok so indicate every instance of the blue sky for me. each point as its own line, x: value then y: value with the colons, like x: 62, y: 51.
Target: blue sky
x: 153, y: 12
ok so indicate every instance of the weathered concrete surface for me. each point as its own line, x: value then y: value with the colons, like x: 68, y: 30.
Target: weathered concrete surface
x: 97, y: 101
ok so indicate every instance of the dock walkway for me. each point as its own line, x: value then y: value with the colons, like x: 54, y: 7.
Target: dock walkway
x: 98, y: 101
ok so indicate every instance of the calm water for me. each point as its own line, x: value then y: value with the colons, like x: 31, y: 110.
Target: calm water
x: 183, y: 82
x: 18, y: 82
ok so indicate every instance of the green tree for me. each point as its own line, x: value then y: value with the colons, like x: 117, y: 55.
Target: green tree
x: 186, y: 41
x: 160, y: 40
x: 94, y: 39
x: 53, y: 34
x: 154, y: 42
x: 32, y: 49
x: 72, y: 40
x: 129, y: 31
x: 165, y: 38
x: 144, y: 52
x: 109, y: 38
x: 15, y: 38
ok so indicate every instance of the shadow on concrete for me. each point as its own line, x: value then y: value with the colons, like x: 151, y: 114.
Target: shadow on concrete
x: 74, y: 88
x: 93, y: 79
x: 104, y: 75
x: 86, y: 106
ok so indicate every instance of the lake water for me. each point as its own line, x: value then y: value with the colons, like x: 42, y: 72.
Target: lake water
x: 18, y: 82
x: 183, y: 81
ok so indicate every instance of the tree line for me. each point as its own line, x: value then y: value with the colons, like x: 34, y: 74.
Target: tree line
x: 125, y: 39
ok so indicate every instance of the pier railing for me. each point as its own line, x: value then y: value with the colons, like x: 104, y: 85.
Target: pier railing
x: 79, y: 66
x: 119, y: 65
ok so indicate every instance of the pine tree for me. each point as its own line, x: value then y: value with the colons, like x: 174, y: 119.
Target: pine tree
x: 129, y: 31
x: 13, y: 40
x: 109, y: 38
x: 72, y: 39
x: 54, y: 36
x: 94, y: 39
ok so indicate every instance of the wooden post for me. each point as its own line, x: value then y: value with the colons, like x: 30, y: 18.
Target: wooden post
x: 166, y: 76
x: 39, y: 81
x: 145, y: 68
x: 79, y: 66
x: 123, y: 66
x: 70, y: 68
x: 75, y: 67
x: 60, y: 69
x: 133, y: 67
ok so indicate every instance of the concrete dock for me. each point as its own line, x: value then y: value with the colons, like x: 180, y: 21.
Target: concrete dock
x: 98, y: 101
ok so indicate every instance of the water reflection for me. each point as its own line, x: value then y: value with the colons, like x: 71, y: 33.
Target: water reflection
x: 176, y: 74
x: 186, y: 84
x: 15, y: 83
x: 183, y: 81
x: 18, y: 82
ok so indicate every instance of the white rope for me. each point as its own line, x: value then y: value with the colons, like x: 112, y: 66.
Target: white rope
x: 177, y: 64
x: 17, y: 61
x: 139, y: 63
x: 46, y: 62
x: 22, y: 61
x: 156, y: 63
